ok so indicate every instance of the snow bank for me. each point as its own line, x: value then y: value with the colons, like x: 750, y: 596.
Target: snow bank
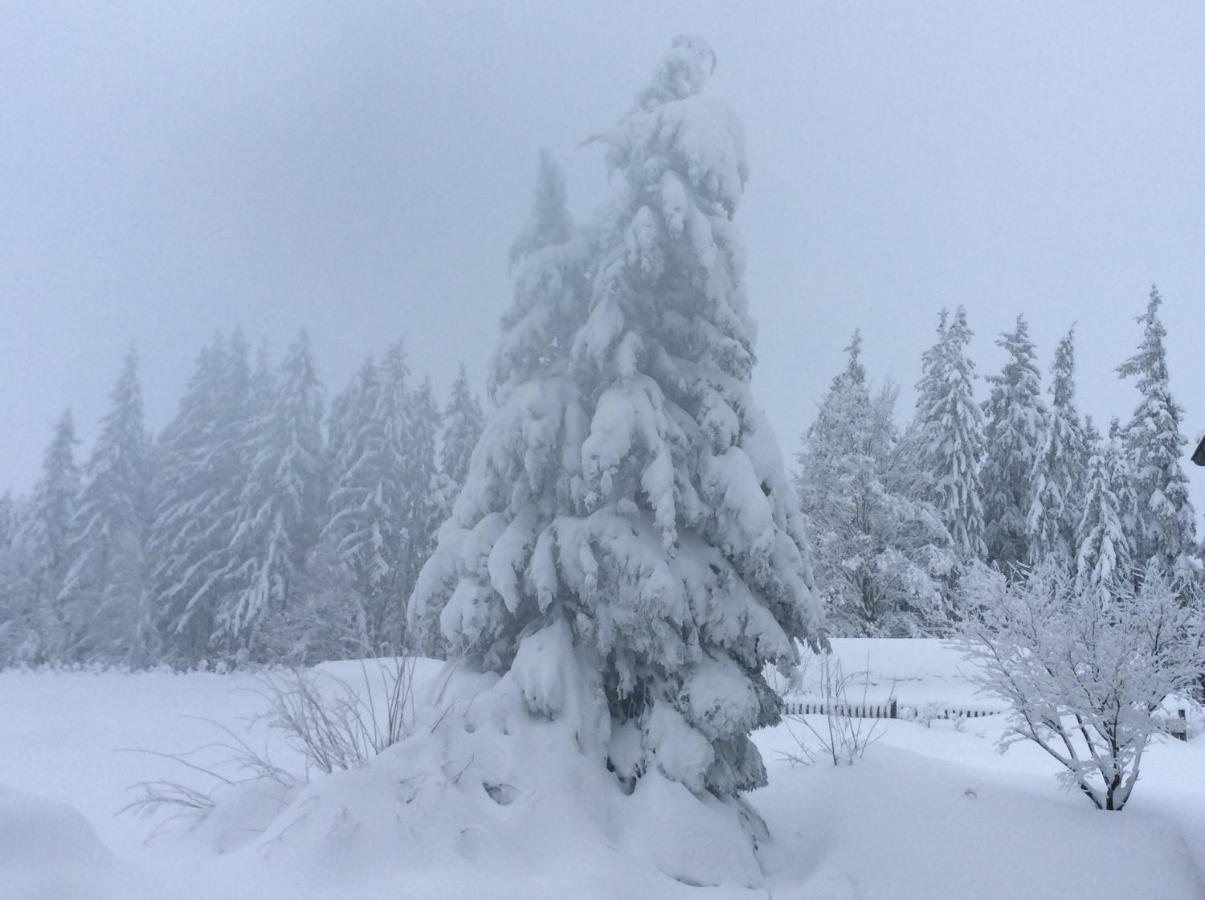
x: 897, y: 825
x: 48, y: 851
x: 486, y: 800
x: 490, y: 802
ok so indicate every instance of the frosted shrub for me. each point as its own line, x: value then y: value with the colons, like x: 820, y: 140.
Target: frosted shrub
x: 842, y: 736
x: 1084, y: 670
x: 331, y: 724
x: 335, y: 726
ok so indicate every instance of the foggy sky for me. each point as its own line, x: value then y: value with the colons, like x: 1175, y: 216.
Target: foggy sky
x: 170, y: 169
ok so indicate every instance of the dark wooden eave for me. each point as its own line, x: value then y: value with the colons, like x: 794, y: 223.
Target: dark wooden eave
x: 1198, y: 455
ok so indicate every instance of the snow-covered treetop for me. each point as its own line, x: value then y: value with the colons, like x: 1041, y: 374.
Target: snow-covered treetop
x: 1150, y: 362
x: 547, y: 265
x: 671, y: 126
x: 549, y: 222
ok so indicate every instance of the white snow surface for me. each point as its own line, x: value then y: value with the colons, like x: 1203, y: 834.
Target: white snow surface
x: 486, y: 801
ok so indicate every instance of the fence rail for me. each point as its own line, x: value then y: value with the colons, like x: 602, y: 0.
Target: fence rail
x: 890, y: 709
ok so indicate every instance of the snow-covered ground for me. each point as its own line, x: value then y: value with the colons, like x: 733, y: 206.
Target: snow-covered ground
x: 929, y: 812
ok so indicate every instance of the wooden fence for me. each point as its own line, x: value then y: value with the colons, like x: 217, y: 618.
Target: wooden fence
x: 893, y: 709
x: 889, y: 709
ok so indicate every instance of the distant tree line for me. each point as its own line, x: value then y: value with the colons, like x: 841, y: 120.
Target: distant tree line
x: 1016, y: 482
x: 258, y: 526
x: 262, y: 526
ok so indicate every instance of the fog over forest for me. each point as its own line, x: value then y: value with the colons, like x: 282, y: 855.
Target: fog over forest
x: 471, y: 450
x: 167, y: 172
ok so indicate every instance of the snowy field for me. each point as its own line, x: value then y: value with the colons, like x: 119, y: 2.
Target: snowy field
x: 929, y: 812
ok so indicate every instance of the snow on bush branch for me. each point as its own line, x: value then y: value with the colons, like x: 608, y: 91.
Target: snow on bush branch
x: 1085, y: 669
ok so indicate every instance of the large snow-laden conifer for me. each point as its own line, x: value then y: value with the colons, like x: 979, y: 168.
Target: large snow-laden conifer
x: 627, y: 544
x: 1165, y: 529
x: 1014, y: 436
x: 1059, y: 476
x: 882, y: 558
x: 104, y: 597
x: 280, y: 502
x: 195, y: 499
x: 948, y: 432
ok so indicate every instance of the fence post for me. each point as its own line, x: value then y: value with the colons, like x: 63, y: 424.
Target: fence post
x: 1180, y: 732
x: 893, y: 709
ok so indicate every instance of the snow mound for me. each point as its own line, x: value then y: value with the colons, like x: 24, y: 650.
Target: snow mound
x: 48, y: 851
x: 486, y: 799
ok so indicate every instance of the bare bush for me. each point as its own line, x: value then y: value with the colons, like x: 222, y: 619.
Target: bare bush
x: 335, y: 726
x: 842, y: 737
x: 330, y: 724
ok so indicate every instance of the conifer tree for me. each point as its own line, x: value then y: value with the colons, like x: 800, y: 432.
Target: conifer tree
x: 23, y: 619
x: 53, y: 506
x: 881, y: 557
x: 420, y: 483
x: 1058, y: 477
x: 1103, y: 555
x: 949, y: 428
x: 195, y: 499
x: 1165, y: 527
x: 45, y: 538
x: 910, y: 472
x: 9, y: 521
x: 627, y: 523
x: 279, y: 505
x: 1014, y: 436
x: 351, y: 602
x: 463, y: 420
x: 104, y: 599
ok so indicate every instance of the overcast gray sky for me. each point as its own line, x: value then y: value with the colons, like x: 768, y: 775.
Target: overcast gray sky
x: 168, y: 169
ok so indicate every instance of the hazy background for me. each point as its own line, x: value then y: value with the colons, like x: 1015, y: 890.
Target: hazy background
x: 168, y: 169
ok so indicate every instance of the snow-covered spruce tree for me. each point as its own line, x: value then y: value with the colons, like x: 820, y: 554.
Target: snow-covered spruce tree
x: 908, y: 469
x: 421, y: 508
x: 1103, y: 553
x: 627, y: 545
x: 882, y: 558
x: 22, y: 619
x: 9, y: 520
x: 1122, y: 480
x: 1165, y: 529
x: 48, y: 525
x: 195, y: 493
x: 1058, y: 478
x: 279, y: 505
x: 349, y: 602
x: 44, y: 539
x: 1013, y: 436
x: 462, y: 424
x: 104, y: 599
x: 949, y: 427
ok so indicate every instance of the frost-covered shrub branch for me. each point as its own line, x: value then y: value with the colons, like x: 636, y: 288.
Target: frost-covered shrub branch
x: 1084, y: 669
x: 842, y: 736
x: 329, y: 724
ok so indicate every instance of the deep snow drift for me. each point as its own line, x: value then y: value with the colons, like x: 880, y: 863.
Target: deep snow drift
x: 485, y: 801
